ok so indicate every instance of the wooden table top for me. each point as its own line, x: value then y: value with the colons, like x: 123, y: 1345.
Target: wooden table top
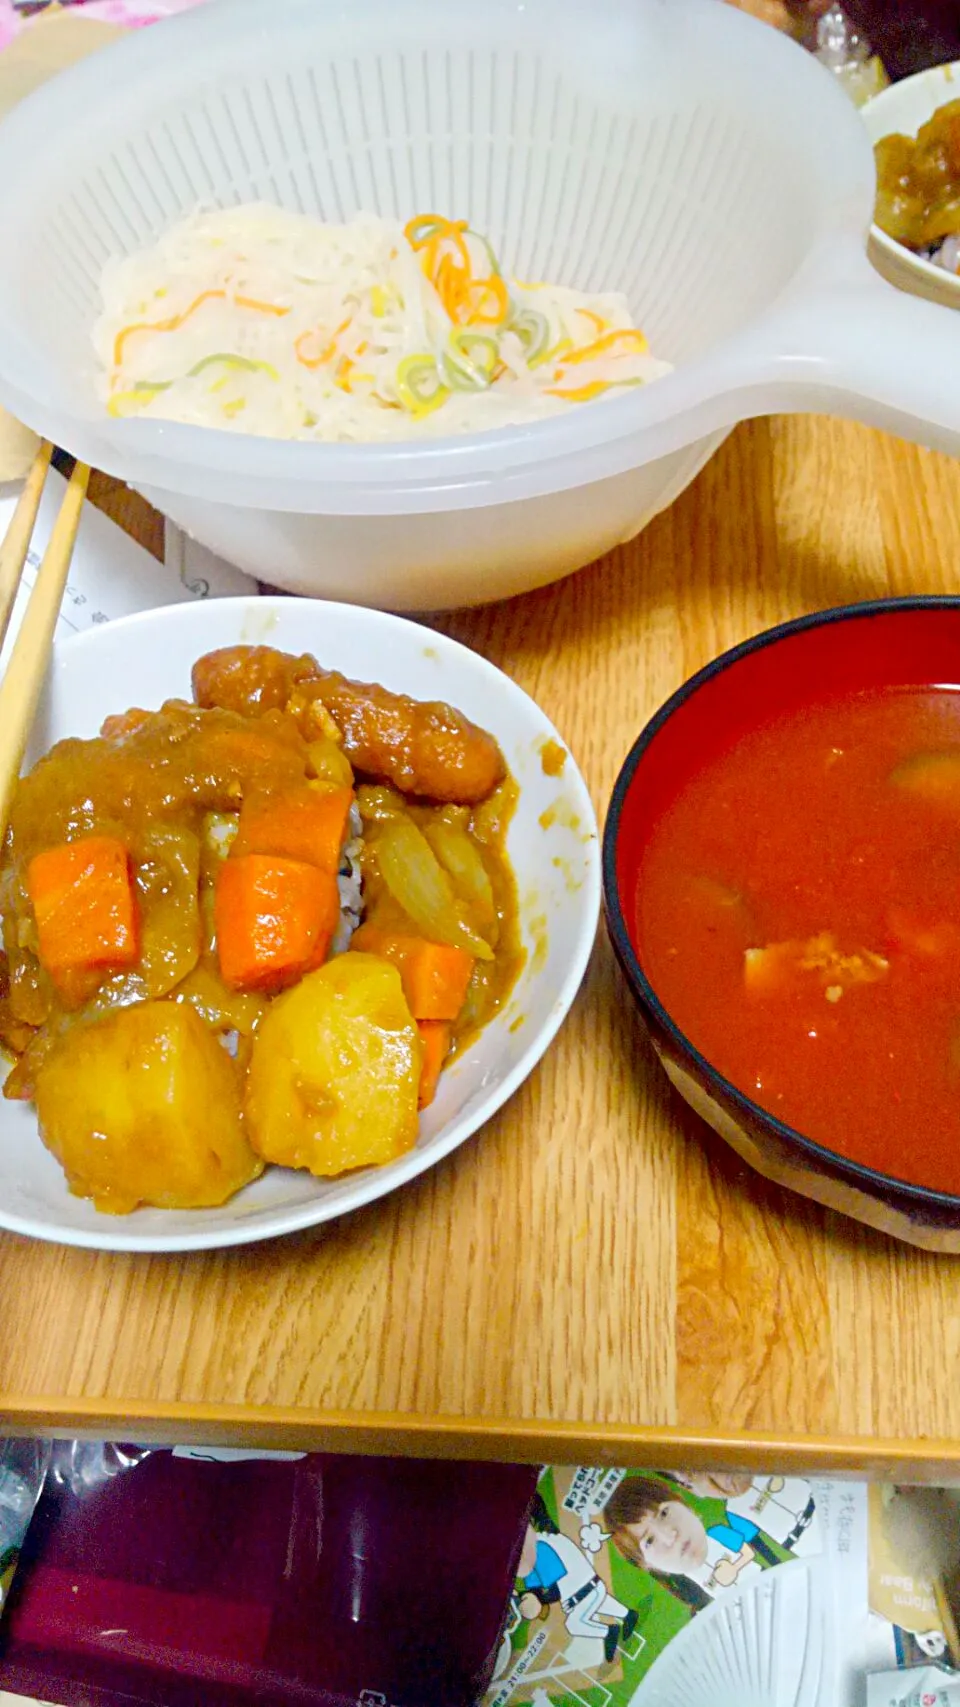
x: 594, y: 1277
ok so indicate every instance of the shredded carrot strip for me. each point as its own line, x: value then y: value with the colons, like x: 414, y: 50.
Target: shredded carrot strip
x: 327, y: 352
x: 420, y: 230
x: 622, y: 343
x: 425, y: 228
x: 451, y: 284
x: 160, y: 325
x: 584, y: 393
x: 300, y: 345
x: 448, y: 268
x: 600, y: 324
x: 580, y: 394
x: 434, y: 252
x: 300, y: 350
x: 177, y: 320
x: 444, y: 256
x: 484, y: 302
x: 276, y: 308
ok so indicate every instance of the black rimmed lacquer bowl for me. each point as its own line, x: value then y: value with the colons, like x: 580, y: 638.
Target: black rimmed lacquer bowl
x: 865, y: 649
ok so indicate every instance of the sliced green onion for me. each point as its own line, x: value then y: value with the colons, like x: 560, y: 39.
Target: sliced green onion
x: 231, y: 360
x: 419, y: 386
x: 533, y: 330
x: 494, y: 263
x: 124, y: 403
x: 557, y: 349
x: 470, y: 360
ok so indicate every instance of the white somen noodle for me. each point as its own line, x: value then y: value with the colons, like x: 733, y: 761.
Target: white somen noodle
x: 257, y: 320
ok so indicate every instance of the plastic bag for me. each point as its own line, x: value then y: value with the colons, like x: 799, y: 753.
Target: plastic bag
x: 168, y: 1580
x: 23, y: 1470
x: 85, y: 1465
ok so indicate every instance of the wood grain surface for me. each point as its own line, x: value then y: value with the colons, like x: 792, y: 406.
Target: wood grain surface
x: 594, y: 1276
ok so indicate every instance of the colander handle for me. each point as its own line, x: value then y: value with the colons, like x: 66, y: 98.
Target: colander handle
x: 858, y: 347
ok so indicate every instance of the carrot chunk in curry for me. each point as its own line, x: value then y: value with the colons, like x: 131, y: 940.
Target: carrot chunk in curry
x: 274, y: 918
x: 84, y: 906
x: 307, y: 823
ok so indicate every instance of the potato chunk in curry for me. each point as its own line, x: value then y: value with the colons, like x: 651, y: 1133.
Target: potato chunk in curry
x: 335, y: 1070
x: 143, y: 1107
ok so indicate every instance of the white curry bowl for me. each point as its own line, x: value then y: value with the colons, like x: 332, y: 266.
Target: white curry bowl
x: 903, y: 108
x: 142, y: 660
x: 676, y: 150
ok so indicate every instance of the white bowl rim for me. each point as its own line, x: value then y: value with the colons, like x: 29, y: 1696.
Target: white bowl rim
x: 369, y: 1184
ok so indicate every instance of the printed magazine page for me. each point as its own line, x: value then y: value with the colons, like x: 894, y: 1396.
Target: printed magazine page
x: 656, y: 1589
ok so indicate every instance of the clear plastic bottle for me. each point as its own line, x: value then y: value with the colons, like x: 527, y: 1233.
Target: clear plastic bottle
x: 845, y: 51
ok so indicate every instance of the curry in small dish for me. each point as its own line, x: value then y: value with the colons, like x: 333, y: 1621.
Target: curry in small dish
x: 918, y: 188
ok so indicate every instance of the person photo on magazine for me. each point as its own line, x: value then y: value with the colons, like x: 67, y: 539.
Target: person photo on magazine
x: 656, y: 1529
x: 617, y: 1563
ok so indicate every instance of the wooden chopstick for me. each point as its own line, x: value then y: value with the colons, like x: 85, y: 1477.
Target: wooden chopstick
x: 20, y: 687
x: 16, y: 544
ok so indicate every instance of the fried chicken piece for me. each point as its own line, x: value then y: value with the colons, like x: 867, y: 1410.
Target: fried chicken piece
x: 421, y: 747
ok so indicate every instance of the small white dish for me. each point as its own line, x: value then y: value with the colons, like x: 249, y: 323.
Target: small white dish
x: 142, y: 660
x: 902, y: 109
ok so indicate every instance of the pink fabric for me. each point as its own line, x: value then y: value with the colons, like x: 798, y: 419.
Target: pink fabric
x: 9, y: 23
x: 135, y: 12
x: 128, y: 13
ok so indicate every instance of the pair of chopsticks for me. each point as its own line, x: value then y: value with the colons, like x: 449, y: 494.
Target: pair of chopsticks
x: 21, y: 684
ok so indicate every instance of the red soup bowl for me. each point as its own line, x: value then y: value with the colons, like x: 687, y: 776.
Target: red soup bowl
x: 891, y: 643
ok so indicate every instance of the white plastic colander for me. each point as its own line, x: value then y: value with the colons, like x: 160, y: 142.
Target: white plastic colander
x: 672, y: 149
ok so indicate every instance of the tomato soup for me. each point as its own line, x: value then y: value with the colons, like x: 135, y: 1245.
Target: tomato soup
x: 798, y: 915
